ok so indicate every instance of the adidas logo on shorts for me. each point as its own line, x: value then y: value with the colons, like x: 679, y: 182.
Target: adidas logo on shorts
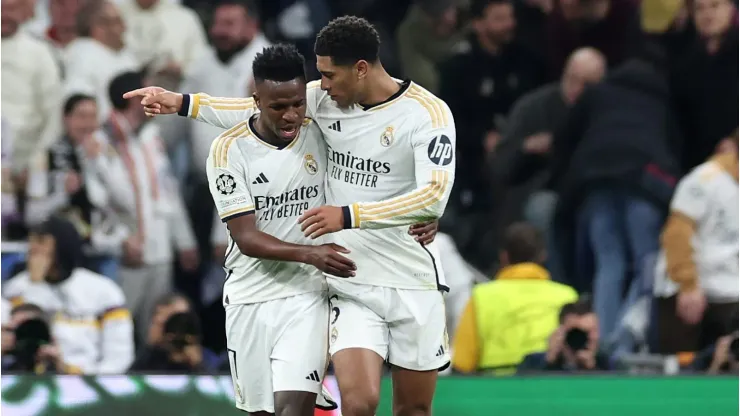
x: 314, y: 376
x: 440, y: 351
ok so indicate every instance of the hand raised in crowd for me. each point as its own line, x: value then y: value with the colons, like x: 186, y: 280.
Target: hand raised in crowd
x: 133, y: 251
x: 50, y: 355
x: 157, y: 100
x: 189, y: 259
x: 538, y: 144
x: 690, y: 306
x: 424, y: 232
x: 721, y: 354
x: 555, y: 344
x: 72, y: 182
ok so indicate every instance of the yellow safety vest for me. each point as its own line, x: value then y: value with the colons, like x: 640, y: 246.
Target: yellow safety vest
x: 515, y: 318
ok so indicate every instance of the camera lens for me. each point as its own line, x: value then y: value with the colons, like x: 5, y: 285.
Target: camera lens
x: 576, y: 339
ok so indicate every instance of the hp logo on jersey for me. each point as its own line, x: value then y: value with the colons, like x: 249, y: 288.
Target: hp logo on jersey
x: 440, y: 150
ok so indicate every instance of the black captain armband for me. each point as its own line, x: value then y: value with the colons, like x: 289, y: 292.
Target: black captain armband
x: 183, y: 111
x: 346, y: 218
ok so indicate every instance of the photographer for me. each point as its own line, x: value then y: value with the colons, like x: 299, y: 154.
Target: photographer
x: 28, y: 345
x: 93, y: 329
x: 178, y: 351
x: 574, y: 346
x: 722, y: 356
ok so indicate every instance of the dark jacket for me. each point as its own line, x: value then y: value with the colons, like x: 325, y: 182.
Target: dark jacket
x: 480, y: 90
x: 620, y: 134
x: 537, y: 363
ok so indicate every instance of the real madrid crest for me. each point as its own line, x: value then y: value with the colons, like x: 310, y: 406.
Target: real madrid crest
x: 386, y: 139
x: 334, y: 334
x: 310, y: 164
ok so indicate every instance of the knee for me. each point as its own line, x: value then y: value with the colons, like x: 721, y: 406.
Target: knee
x: 412, y: 409
x: 360, y: 403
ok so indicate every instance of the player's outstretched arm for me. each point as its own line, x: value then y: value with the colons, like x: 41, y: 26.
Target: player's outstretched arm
x: 434, y: 161
x: 227, y: 174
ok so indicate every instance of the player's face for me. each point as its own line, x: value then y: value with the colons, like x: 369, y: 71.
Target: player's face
x: 339, y: 81
x: 82, y: 120
x: 283, y: 106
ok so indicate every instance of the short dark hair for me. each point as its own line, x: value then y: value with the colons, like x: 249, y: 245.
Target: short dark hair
x: 249, y: 6
x: 279, y: 63
x: 121, y: 84
x: 478, y: 7
x: 183, y: 323
x: 87, y: 15
x: 73, y: 100
x: 348, y: 39
x: 523, y: 243
x: 583, y: 306
x: 27, y: 307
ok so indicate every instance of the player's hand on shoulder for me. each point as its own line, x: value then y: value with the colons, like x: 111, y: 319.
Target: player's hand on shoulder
x: 329, y: 258
x: 322, y: 220
x: 424, y: 232
x: 157, y: 100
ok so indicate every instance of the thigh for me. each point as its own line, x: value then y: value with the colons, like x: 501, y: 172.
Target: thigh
x: 299, y: 355
x: 249, y: 347
x: 602, y: 217
x: 643, y: 222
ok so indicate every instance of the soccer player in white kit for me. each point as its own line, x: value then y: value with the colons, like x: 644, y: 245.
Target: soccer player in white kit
x: 392, y: 144
x: 263, y: 174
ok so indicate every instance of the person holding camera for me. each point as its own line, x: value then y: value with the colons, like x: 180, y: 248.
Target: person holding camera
x: 92, y: 327
x: 179, y: 349
x: 27, y: 345
x: 574, y: 346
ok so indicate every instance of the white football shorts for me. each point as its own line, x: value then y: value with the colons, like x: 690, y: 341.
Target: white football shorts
x: 279, y: 345
x: 408, y: 328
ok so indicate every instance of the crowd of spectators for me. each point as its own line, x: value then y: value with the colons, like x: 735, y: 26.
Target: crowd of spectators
x: 596, y: 181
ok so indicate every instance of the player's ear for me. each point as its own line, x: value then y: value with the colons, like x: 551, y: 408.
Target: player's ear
x: 362, y: 67
x: 256, y: 99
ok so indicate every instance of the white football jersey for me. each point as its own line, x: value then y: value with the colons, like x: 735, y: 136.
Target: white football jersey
x: 246, y: 176
x: 389, y: 166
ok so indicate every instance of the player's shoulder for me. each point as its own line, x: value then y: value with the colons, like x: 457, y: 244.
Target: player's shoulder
x: 16, y: 285
x: 425, y: 108
x: 223, y: 149
x: 704, y: 175
x: 315, y: 96
x: 100, y: 287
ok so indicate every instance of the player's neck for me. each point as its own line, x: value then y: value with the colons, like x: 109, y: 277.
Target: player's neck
x: 383, y: 87
x: 265, y: 134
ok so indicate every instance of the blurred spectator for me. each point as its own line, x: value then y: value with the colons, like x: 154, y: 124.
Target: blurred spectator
x: 614, y: 168
x: 141, y: 186
x: 179, y: 351
x: 31, y: 88
x: 512, y: 316
x: 429, y: 34
x: 68, y: 184
x: 62, y: 29
x: 164, y: 308
x: 165, y: 36
x: 98, y: 54
x: 574, y: 346
x: 610, y: 26
x: 28, y: 346
x: 298, y: 22
x: 531, y: 17
x: 697, y: 301
x: 705, y: 81
x: 527, y: 141
x: 90, y: 324
x: 9, y: 193
x: 460, y: 277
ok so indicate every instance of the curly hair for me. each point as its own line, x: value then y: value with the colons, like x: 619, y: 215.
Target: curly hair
x: 348, y: 39
x: 280, y: 63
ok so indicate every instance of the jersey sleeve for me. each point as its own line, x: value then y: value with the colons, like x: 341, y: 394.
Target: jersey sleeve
x: 228, y: 112
x: 227, y: 179
x: 434, y: 169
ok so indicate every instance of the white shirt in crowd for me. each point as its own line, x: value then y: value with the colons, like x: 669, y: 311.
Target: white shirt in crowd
x: 708, y: 195
x: 147, y: 197
x: 90, y: 66
x: 31, y: 92
x: 248, y: 176
x: 166, y: 32
x: 90, y: 323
